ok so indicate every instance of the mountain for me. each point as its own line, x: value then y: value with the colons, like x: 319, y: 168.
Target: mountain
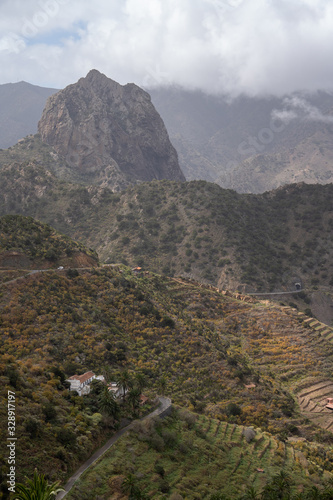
x: 250, y: 144
x: 21, y: 107
x: 102, y: 129
x: 251, y: 243
x: 240, y: 144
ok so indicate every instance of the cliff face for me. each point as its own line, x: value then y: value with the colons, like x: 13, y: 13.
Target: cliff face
x: 99, y: 124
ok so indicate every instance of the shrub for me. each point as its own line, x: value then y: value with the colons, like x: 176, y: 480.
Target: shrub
x: 66, y: 437
x: 233, y: 410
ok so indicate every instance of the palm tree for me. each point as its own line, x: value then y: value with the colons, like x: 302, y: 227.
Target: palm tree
x: 124, y: 382
x: 108, y: 403
x: 250, y: 494
x: 134, y: 398
x: 129, y: 485
x: 278, y: 487
x: 140, y: 381
x: 37, y: 489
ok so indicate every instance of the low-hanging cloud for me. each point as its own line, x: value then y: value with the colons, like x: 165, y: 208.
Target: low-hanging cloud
x: 299, y: 108
x: 219, y: 46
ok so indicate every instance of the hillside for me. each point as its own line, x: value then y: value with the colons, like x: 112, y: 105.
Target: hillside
x: 243, y: 144
x: 169, y: 459
x: 27, y: 244
x: 252, y: 243
x: 201, y: 347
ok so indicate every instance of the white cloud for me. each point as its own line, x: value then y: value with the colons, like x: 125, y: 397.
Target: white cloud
x: 230, y: 46
x: 299, y: 108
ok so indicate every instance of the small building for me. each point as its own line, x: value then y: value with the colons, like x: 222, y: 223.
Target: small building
x: 117, y: 391
x: 81, y: 383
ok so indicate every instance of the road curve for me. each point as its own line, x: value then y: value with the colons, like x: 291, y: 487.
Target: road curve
x: 165, y: 404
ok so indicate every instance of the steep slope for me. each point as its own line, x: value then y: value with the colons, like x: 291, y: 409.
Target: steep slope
x: 100, y: 127
x: 253, y: 243
x: 310, y: 161
x: 28, y: 244
x: 243, y: 144
x: 240, y: 362
x: 21, y: 107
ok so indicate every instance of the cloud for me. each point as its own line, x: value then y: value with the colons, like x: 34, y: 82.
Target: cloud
x: 220, y: 46
x: 299, y: 108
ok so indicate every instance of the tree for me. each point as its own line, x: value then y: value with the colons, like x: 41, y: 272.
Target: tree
x: 162, y: 385
x: 140, y: 381
x: 134, y: 398
x: 250, y: 494
x: 108, y: 403
x: 37, y: 489
x: 278, y: 488
x: 124, y: 382
x: 129, y: 486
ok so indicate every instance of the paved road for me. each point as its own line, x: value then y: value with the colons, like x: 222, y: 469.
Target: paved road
x: 165, y: 404
x: 275, y: 293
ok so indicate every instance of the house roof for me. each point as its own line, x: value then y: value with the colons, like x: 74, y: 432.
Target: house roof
x: 82, y: 378
x: 113, y: 386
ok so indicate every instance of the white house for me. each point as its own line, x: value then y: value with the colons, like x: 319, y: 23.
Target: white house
x: 81, y: 383
x: 117, y: 391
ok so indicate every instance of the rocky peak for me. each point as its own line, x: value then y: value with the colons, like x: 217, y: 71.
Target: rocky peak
x: 97, y: 124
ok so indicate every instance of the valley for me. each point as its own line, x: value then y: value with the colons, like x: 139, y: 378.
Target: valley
x: 111, y: 263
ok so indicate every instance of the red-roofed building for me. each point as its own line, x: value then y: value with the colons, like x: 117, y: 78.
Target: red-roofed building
x: 81, y: 383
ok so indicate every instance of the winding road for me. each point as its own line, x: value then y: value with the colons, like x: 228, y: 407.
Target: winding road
x: 165, y: 404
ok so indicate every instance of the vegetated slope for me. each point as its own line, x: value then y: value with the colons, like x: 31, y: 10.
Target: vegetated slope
x: 21, y: 107
x: 26, y: 243
x: 254, y: 243
x: 191, y: 456
x: 242, y: 144
x: 199, y: 346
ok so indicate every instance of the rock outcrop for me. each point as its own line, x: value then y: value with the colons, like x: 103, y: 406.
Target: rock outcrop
x: 108, y: 131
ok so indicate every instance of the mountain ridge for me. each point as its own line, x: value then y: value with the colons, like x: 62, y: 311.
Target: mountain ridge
x: 213, y: 133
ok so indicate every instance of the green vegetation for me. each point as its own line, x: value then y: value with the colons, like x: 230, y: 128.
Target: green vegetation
x: 194, y: 228
x: 157, y: 335
x: 39, y: 243
x: 248, y: 378
x: 37, y: 489
x: 194, y: 457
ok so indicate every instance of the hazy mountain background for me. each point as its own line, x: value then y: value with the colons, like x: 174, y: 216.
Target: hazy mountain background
x: 21, y: 106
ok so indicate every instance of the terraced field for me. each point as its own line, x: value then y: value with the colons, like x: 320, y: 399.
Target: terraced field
x: 313, y: 400
x: 216, y: 451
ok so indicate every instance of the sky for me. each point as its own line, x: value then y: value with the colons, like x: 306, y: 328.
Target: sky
x: 256, y: 47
